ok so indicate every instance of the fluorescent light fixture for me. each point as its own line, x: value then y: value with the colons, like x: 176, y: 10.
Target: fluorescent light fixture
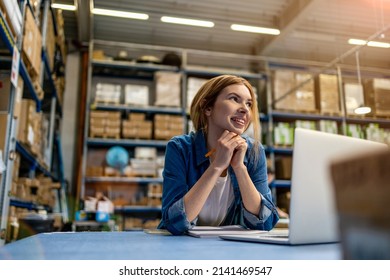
x: 378, y: 44
x: 362, y: 110
x: 63, y: 7
x: 368, y: 43
x: 357, y: 42
x: 113, y: 13
x: 255, y: 29
x: 187, y: 21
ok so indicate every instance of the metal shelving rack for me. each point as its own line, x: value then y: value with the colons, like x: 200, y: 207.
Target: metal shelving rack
x: 12, y: 145
x: 342, y: 119
x: 127, y: 143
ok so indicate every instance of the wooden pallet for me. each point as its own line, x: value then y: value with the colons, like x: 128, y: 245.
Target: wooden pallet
x: 105, y: 102
x: 104, y: 135
x: 330, y: 114
x: 297, y: 111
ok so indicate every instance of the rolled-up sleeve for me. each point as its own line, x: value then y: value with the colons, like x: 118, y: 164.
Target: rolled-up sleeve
x: 174, y: 218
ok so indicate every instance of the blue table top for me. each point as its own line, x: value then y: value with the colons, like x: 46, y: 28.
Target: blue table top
x: 144, y: 246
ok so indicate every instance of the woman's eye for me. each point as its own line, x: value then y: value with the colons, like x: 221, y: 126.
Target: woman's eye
x: 234, y: 98
x: 249, y: 104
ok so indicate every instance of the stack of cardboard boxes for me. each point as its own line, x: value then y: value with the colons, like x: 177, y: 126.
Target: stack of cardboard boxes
x: 166, y: 126
x: 108, y: 93
x: 30, y: 128
x: 137, y: 127
x: 105, y: 124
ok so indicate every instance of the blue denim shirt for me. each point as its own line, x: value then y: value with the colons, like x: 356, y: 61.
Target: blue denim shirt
x: 185, y: 162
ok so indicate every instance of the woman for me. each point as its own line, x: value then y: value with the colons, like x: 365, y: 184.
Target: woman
x: 216, y: 176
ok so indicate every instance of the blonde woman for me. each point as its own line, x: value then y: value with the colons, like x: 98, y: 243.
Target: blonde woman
x: 216, y: 175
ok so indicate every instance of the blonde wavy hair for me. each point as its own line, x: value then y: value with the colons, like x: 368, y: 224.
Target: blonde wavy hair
x: 206, y: 97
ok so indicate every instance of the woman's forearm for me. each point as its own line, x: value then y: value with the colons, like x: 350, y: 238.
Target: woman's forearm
x: 250, y: 196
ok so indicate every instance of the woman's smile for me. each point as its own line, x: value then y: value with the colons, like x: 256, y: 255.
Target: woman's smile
x: 239, y: 121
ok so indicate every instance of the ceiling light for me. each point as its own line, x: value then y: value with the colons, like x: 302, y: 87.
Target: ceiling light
x: 378, y: 44
x: 187, y: 21
x: 362, y: 110
x: 357, y: 42
x: 113, y: 13
x: 368, y: 43
x: 63, y: 7
x: 255, y: 29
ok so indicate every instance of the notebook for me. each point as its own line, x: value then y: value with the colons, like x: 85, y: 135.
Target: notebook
x: 313, y: 217
x: 210, y: 231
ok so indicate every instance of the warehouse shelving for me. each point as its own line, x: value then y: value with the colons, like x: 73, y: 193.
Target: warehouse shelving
x: 30, y: 163
x: 203, y: 64
x: 341, y: 118
x: 133, y: 71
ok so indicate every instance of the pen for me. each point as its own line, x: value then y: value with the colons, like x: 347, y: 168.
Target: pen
x: 212, y: 151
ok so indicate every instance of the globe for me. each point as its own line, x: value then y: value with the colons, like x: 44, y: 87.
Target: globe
x: 117, y: 157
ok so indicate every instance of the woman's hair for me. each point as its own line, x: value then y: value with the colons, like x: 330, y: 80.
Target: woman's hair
x: 206, y: 97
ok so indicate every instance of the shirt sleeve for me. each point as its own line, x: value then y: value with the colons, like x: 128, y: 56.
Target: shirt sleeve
x: 174, y: 218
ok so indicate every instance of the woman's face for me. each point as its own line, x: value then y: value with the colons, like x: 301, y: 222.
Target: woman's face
x: 231, y: 110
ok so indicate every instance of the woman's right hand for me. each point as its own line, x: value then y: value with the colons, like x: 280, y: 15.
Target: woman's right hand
x: 225, y: 149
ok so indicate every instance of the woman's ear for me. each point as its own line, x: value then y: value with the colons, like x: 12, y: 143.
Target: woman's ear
x: 207, y: 110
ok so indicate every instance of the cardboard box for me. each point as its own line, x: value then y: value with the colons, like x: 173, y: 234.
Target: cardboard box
x: 362, y: 195
x: 168, y: 89
x: 50, y: 40
x: 3, y: 130
x: 137, y: 95
x: 145, y: 152
x: 5, y: 93
x: 25, y: 126
x: 108, y: 93
x: 32, y: 45
x: 193, y: 85
x: 297, y: 99
x: 136, y: 116
x: 283, y: 167
x: 377, y: 96
x: 328, y: 94
x: 13, y: 16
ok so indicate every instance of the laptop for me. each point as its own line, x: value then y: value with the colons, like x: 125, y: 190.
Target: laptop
x: 313, y: 217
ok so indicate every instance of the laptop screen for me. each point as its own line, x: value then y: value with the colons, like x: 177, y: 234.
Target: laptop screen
x: 313, y: 217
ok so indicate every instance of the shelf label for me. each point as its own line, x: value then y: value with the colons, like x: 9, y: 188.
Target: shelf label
x: 15, y: 67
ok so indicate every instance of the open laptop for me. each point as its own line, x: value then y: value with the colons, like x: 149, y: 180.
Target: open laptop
x: 313, y: 217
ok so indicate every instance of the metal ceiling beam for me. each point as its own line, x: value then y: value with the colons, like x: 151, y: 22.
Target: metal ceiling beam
x: 289, y: 20
x: 84, y: 20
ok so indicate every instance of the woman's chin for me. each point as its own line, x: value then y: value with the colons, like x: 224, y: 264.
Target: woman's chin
x: 237, y: 130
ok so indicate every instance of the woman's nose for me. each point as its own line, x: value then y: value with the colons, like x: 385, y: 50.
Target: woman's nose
x: 243, y: 109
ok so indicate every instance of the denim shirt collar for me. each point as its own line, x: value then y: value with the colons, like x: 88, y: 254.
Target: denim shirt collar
x: 201, y: 147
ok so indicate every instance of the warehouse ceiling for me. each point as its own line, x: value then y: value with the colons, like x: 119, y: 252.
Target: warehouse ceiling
x: 310, y: 30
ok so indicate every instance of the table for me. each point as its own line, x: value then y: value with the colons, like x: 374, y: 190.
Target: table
x: 138, y: 245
